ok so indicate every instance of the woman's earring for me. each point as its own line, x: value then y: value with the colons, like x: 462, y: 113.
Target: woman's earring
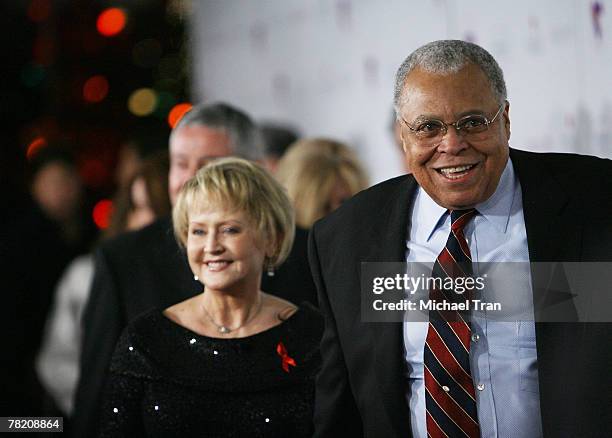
x: 196, y: 278
x: 270, y: 268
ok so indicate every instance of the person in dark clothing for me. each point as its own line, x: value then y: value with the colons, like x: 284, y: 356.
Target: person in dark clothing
x: 32, y: 256
x: 58, y: 191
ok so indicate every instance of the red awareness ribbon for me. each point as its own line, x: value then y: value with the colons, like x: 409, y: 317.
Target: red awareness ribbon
x: 287, y: 360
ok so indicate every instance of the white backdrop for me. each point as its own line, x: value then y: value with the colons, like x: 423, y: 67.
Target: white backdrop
x: 327, y: 66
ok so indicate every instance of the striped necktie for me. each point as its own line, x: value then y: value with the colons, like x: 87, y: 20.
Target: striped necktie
x: 450, y: 398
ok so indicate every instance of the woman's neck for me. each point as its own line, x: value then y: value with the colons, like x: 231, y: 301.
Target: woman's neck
x: 228, y: 312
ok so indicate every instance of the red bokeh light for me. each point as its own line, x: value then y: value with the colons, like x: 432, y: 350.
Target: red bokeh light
x: 177, y: 112
x: 111, y: 21
x: 102, y: 212
x: 37, y: 144
x: 95, y: 89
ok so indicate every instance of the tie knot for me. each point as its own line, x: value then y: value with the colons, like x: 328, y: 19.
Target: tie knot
x: 459, y: 218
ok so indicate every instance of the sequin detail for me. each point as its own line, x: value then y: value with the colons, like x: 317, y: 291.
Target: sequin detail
x: 235, y: 381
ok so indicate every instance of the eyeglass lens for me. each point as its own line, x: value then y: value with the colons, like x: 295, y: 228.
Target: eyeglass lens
x: 467, y: 125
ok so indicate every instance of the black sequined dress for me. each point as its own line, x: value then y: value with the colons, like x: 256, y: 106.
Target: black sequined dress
x: 166, y: 380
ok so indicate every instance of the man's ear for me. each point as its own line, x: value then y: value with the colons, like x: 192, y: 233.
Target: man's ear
x: 506, y: 116
x: 402, y: 139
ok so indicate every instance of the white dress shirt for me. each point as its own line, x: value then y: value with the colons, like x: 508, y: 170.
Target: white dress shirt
x: 503, y: 355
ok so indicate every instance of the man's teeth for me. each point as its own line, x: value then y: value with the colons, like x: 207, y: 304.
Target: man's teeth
x: 449, y: 171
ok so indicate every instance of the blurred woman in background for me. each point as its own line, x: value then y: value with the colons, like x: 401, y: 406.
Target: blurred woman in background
x: 58, y: 191
x: 319, y: 175
x: 145, y: 198
x: 136, y: 205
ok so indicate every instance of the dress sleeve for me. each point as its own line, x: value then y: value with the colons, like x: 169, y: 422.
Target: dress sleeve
x: 121, y: 413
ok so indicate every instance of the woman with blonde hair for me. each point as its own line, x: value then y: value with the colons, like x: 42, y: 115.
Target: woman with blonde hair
x: 319, y: 175
x: 232, y: 360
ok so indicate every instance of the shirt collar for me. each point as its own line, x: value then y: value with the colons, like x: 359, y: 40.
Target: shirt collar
x: 427, y: 215
x: 496, y: 209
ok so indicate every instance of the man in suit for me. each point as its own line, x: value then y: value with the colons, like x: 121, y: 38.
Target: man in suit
x: 141, y: 270
x: 522, y: 378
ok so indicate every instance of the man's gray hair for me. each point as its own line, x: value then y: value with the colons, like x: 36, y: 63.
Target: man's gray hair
x: 450, y: 56
x: 245, y: 137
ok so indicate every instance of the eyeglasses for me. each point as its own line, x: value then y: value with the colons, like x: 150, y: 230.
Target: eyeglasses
x: 432, y: 131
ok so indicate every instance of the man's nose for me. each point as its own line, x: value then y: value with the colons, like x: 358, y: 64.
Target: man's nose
x: 453, y: 141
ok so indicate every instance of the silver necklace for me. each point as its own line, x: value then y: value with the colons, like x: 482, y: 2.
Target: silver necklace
x: 225, y: 329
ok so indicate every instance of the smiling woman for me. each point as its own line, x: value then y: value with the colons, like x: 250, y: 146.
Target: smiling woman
x: 241, y: 187
x: 245, y: 358
x: 224, y: 250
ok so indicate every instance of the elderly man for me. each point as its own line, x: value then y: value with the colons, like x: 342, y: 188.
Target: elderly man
x: 470, y: 198
x: 145, y: 269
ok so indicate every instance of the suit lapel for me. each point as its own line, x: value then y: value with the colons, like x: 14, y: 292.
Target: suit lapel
x: 390, y: 237
x: 553, y: 235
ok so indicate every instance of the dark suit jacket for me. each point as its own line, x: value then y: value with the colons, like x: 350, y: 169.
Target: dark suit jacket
x: 292, y: 280
x: 136, y: 272
x: 361, y: 390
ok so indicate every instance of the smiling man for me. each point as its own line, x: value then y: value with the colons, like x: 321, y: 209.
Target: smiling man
x: 470, y: 198
x: 457, y: 167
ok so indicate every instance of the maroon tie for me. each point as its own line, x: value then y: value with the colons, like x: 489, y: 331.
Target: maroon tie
x: 450, y: 399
